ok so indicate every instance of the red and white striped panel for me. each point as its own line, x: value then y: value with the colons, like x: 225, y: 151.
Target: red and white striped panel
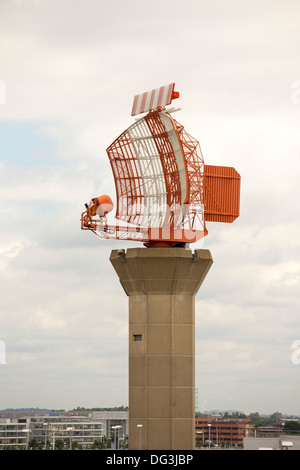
x: 153, y: 99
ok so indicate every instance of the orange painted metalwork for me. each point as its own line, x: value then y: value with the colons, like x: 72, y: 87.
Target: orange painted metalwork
x: 165, y: 193
x: 128, y: 180
x: 169, y: 165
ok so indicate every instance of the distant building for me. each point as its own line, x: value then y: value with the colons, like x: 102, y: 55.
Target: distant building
x: 110, y: 419
x: 222, y: 431
x: 13, y: 434
x: 271, y: 430
x: 17, y: 430
x: 85, y: 428
x: 73, y: 428
x: 272, y: 443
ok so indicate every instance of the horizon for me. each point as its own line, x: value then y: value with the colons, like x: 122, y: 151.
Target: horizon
x: 112, y: 408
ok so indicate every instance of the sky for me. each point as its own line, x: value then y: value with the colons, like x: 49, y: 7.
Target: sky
x: 68, y: 73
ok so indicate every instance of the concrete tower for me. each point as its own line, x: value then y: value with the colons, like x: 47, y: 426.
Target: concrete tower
x: 161, y: 284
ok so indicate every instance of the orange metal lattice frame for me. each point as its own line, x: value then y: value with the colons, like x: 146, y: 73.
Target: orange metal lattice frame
x: 127, y: 177
x: 195, y: 166
x: 164, y: 191
x: 129, y: 183
x: 183, y: 210
x: 149, y: 236
x: 169, y: 165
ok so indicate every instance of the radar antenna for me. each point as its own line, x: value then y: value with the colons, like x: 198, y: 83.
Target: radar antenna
x: 165, y: 193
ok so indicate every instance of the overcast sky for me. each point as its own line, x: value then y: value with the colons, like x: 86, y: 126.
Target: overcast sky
x: 68, y: 73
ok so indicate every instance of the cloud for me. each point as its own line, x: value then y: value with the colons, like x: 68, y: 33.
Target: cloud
x: 71, y: 70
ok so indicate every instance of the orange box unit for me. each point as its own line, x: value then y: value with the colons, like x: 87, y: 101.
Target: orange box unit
x: 221, y: 193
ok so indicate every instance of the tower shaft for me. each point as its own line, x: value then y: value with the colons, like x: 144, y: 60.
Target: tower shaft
x: 161, y: 284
